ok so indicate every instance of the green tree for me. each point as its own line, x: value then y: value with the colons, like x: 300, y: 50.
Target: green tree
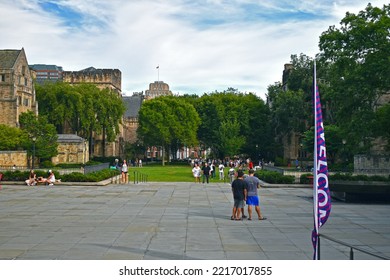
x: 335, y: 148
x: 382, y: 124
x: 11, y: 138
x: 165, y: 121
x: 230, y: 139
x: 84, y: 108
x: 246, y: 115
x: 44, y: 133
x: 357, y: 55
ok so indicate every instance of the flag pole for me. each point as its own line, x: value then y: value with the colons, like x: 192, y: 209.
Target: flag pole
x: 321, y: 194
x: 315, y: 188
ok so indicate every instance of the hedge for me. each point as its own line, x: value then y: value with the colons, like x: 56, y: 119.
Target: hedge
x: 72, y: 177
x: 273, y: 177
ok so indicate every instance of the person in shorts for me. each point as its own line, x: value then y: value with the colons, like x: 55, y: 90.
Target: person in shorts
x: 239, y: 190
x: 253, y: 183
x: 125, y: 170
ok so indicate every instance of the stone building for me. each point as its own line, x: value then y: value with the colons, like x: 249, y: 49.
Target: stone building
x: 156, y: 89
x: 102, y: 78
x: 130, y: 122
x: 71, y: 149
x: 133, y: 105
x: 17, y: 92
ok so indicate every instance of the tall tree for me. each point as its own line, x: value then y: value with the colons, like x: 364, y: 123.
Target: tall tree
x: 358, y: 56
x: 164, y: 121
x: 83, y: 108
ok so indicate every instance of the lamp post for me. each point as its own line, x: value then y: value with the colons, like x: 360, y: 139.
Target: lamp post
x: 33, y: 155
x: 344, y: 154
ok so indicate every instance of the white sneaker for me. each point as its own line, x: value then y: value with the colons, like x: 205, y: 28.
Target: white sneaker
x: 51, y: 184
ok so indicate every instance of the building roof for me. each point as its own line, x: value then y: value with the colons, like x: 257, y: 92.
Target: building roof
x: 70, y: 138
x: 8, y: 58
x: 46, y: 67
x: 132, y: 105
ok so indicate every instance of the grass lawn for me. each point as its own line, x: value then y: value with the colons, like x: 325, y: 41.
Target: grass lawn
x: 167, y: 173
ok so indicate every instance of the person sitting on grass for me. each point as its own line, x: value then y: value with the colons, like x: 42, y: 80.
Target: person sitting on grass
x: 51, y: 179
x: 32, y: 179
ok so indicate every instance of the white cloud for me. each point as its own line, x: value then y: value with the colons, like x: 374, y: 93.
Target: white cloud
x: 201, y: 46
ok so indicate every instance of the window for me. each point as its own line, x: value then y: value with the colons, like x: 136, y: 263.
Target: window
x: 26, y: 101
x: 2, y: 77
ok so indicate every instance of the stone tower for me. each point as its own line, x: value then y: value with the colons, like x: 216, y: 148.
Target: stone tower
x: 17, y: 92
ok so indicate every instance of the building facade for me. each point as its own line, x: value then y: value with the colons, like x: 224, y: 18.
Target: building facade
x: 156, y: 89
x: 17, y: 92
x: 47, y: 73
x: 130, y: 121
x: 71, y: 149
x: 102, y: 78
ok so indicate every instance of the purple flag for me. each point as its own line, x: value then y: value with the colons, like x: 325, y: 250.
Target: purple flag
x: 321, y: 194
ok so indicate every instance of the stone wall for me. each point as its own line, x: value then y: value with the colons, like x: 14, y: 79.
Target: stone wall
x: 372, y: 164
x: 72, y: 153
x: 11, y: 158
x: 130, y: 131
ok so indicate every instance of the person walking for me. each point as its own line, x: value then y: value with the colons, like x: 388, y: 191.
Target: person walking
x: 125, y: 170
x: 239, y: 189
x: 231, y: 173
x: 253, y: 183
x: 221, y: 168
x: 206, y: 170
x: 196, y: 173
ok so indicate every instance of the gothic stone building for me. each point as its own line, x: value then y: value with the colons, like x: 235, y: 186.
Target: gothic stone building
x: 156, y: 89
x: 133, y: 105
x: 17, y: 92
x: 102, y: 78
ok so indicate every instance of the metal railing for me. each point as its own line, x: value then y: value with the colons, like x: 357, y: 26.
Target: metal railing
x: 351, y: 248
x: 139, y: 177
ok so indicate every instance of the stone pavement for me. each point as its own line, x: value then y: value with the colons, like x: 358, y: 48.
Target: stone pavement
x: 177, y: 221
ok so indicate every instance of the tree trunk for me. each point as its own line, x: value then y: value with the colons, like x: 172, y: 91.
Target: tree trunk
x: 163, y: 155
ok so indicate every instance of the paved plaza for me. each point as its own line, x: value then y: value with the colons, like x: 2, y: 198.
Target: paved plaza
x: 158, y: 221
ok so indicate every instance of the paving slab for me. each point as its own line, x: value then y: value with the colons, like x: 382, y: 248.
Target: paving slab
x: 168, y: 221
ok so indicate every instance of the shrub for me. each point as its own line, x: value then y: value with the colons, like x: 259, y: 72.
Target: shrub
x: 46, y: 164
x: 72, y: 177
x: 274, y: 177
x: 304, y: 178
x: 69, y: 165
x: 90, y: 177
x: 351, y: 177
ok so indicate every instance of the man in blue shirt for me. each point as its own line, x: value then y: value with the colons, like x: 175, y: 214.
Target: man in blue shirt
x: 253, y: 183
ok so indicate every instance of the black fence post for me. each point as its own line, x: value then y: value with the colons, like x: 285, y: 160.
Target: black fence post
x: 319, y: 247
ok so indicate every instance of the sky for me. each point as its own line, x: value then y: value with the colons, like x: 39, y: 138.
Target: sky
x: 199, y: 46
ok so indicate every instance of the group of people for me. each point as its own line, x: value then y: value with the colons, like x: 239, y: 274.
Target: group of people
x: 205, y: 172
x: 245, y: 192
x: 33, y: 180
